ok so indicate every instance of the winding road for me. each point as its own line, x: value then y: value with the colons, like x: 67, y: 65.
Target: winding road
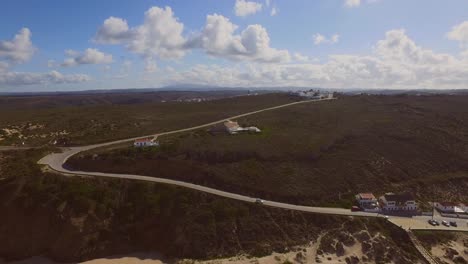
x: 55, y: 162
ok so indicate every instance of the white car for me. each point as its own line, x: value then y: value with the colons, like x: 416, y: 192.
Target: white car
x: 259, y: 201
x: 445, y: 223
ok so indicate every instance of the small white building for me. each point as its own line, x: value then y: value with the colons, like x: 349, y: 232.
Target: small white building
x: 368, y: 202
x: 232, y: 127
x: 450, y: 207
x: 398, y: 202
x: 145, y: 142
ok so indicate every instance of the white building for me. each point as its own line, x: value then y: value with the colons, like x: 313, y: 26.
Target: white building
x: 449, y: 207
x: 234, y: 128
x: 367, y: 202
x: 311, y: 94
x: 398, y: 202
x: 145, y: 142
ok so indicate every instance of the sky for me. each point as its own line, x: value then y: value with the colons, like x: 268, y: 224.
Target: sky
x: 54, y: 45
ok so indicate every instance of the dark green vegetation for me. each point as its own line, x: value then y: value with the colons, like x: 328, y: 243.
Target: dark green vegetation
x: 72, y: 219
x: 87, y: 119
x: 317, y: 153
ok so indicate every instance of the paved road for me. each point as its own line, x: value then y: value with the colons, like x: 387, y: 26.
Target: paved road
x: 55, y: 162
x: 6, y: 148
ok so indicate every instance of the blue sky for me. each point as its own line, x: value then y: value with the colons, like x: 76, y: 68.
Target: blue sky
x: 67, y: 45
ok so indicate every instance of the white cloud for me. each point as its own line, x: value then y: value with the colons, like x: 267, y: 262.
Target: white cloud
x: 51, y: 64
x: 300, y: 58
x: 335, y: 38
x: 244, y: 8
x: 114, y: 31
x: 321, y: 39
x: 460, y: 34
x: 150, y: 66
x: 89, y: 56
x: 3, y: 66
x: 352, y: 3
x: 159, y: 36
x: 18, y: 50
x: 218, y: 38
x: 356, y: 3
x: 396, y: 62
x: 28, y: 78
x: 274, y: 11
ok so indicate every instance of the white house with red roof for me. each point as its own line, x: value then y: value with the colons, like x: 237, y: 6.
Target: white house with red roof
x: 367, y: 202
x: 145, y: 142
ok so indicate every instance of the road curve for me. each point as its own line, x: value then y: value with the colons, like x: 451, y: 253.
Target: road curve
x: 55, y: 162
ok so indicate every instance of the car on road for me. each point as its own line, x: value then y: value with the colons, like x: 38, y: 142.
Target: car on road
x: 453, y: 223
x: 259, y: 201
x: 355, y: 208
x: 433, y: 222
x: 445, y: 223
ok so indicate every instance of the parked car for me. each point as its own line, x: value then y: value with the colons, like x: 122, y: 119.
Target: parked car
x: 433, y: 222
x: 355, y: 209
x: 453, y: 223
x: 259, y: 201
x: 445, y: 223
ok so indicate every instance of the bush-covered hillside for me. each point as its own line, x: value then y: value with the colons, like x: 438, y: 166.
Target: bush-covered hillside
x: 72, y: 219
x: 317, y: 153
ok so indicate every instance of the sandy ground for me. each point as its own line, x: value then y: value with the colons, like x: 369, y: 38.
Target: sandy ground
x: 440, y: 251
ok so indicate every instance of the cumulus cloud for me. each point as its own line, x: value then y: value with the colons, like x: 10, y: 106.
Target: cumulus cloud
x: 89, y: 56
x: 114, y: 31
x: 274, y: 11
x: 460, y: 34
x: 244, y: 8
x: 300, y: 58
x: 321, y: 39
x: 396, y: 62
x: 18, y: 50
x: 352, y: 3
x: 218, y: 38
x: 160, y: 35
x: 150, y: 66
x: 356, y: 3
x: 28, y: 78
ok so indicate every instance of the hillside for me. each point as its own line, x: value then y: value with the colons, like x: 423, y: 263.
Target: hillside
x: 74, y: 219
x: 316, y: 154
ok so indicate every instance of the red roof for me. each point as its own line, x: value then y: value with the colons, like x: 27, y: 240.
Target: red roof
x: 367, y: 196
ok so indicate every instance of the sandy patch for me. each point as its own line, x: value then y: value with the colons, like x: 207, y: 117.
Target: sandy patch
x: 454, y: 249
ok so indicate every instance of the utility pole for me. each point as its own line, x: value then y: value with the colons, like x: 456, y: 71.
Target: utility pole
x: 433, y: 196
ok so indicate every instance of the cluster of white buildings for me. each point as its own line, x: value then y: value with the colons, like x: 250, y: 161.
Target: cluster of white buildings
x: 233, y: 128
x: 389, y: 202
x: 311, y: 94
